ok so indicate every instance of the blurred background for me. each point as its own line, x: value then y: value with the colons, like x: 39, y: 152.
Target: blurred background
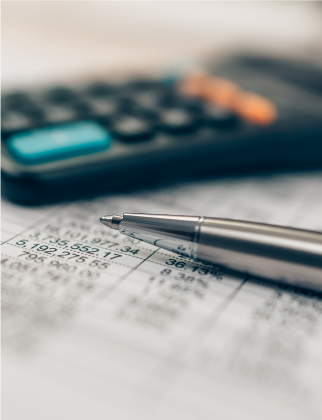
x: 45, y: 42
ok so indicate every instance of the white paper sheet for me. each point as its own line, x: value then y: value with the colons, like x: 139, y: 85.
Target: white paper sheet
x: 98, y: 327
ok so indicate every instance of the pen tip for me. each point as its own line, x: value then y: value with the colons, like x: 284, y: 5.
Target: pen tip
x: 112, y: 221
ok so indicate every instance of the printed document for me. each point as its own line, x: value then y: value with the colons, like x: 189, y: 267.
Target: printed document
x: 98, y: 326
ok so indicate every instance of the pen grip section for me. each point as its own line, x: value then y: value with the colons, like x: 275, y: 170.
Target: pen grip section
x: 272, y: 252
x: 174, y: 233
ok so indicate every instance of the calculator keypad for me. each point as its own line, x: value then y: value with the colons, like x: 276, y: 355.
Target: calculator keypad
x: 132, y: 112
x: 132, y: 128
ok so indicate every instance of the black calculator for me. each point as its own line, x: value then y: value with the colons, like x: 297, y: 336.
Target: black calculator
x: 68, y: 142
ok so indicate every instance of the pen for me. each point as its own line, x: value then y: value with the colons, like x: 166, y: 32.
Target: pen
x: 276, y: 253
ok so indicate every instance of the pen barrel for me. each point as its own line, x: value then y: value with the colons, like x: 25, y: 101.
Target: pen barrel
x: 277, y: 253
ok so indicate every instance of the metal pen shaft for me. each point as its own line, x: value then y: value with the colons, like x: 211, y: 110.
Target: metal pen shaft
x: 277, y: 253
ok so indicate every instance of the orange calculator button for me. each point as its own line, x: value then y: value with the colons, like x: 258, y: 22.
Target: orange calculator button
x: 220, y: 91
x: 249, y: 106
x: 193, y: 84
x: 255, y: 108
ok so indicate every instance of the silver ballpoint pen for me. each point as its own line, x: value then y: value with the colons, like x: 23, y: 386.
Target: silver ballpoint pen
x: 276, y: 253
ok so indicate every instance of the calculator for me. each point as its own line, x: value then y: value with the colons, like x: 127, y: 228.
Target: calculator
x: 106, y: 136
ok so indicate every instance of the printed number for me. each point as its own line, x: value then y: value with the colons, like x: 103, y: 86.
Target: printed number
x: 201, y: 271
x: 99, y: 265
x: 44, y: 248
x: 88, y: 274
x: 86, y: 248
x: 92, y: 251
x: 96, y: 240
x: 16, y: 265
x: 81, y: 259
x: 178, y: 264
x: 132, y: 241
x: 22, y: 242
x: 99, y: 241
x: 184, y: 277
x: 111, y: 258
x: 36, y: 234
x: 63, y: 254
x: 165, y: 272
x: 34, y: 257
x: 63, y: 266
x: 109, y: 242
x: 128, y: 249
x: 62, y: 243
x: 76, y: 246
x: 57, y: 241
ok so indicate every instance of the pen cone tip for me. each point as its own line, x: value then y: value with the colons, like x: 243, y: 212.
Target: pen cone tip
x: 112, y: 221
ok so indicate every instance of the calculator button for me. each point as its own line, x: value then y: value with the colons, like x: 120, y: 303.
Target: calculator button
x: 255, y: 108
x: 189, y: 103
x: 143, y: 85
x: 177, y: 120
x: 81, y: 109
x: 13, y: 121
x: 16, y: 101
x: 60, y: 114
x: 220, y: 117
x: 102, y: 109
x: 144, y: 88
x: 147, y: 100
x: 132, y: 128
x: 35, y: 113
x: 60, y: 95
x: 55, y: 143
x: 99, y: 90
